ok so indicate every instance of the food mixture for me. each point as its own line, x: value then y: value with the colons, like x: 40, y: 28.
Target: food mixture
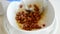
x: 29, y: 18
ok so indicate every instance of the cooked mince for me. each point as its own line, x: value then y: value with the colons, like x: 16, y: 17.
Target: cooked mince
x: 30, y: 19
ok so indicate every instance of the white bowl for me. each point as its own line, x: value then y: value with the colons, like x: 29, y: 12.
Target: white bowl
x: 49, y: 20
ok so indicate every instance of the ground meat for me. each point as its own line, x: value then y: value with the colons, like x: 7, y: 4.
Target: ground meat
x: 21, y: 6
x: 29, y: 19
x: 29, y: 5
x: 36, y: 8
x: 43, y: 25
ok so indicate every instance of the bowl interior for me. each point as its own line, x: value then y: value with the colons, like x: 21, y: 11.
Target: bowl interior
x: 14, y: 6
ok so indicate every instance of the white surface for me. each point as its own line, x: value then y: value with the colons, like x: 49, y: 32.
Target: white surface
x: 1, y: 10
x: 56, y: 5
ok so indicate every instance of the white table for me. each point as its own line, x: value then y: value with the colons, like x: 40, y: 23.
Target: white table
x: 56, y: 5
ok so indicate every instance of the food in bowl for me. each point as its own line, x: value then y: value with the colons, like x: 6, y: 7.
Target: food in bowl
x: 29, y: 19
